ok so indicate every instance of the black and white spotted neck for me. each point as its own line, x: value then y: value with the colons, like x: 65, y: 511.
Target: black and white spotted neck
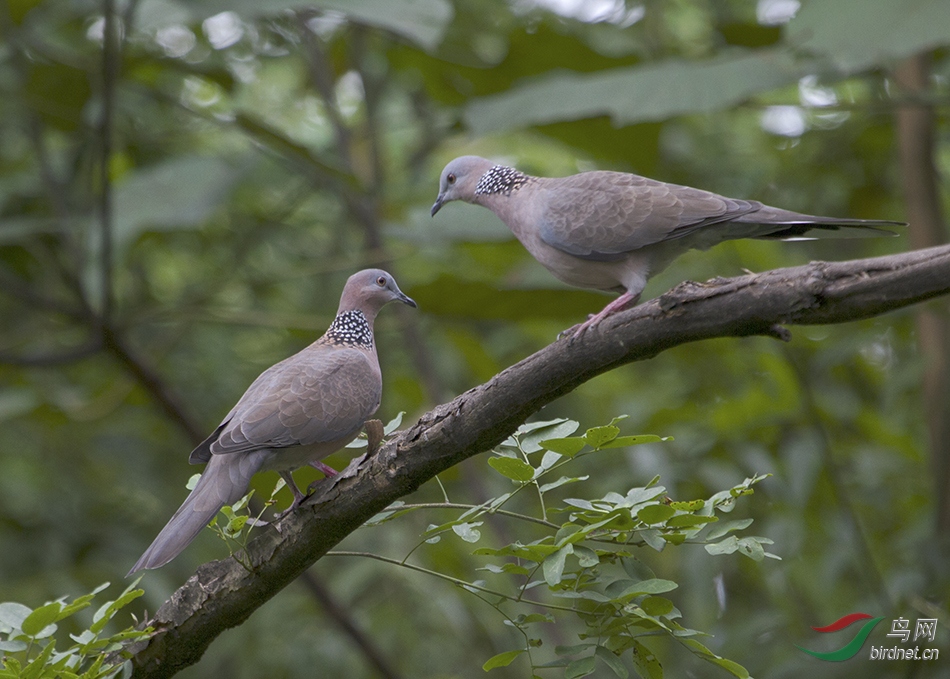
x: 500, y: 179
x: 351, y: 328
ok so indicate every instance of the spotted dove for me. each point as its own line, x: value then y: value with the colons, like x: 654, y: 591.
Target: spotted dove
x: 295, y: 413
x: 611, y: 230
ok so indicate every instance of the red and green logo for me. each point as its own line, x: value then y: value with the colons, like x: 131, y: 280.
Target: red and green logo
x: 852, y: 648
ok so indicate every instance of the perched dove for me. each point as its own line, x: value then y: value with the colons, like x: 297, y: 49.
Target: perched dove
x: 297, y: 412
x: 611, y: 230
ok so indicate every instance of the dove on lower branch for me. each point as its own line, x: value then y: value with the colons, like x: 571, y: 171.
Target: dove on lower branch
x: 612, y: 231
x: 295, y: 413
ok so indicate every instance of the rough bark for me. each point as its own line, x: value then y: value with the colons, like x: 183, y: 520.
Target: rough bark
x: 222, y: 594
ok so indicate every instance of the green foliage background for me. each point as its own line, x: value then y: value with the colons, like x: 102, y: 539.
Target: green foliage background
x: 257, y: 156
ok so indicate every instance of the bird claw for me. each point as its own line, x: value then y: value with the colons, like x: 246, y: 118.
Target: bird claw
x: 625, y: 301
x: 280, y: 515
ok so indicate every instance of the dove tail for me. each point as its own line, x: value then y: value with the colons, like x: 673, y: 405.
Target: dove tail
x: 224, y: 481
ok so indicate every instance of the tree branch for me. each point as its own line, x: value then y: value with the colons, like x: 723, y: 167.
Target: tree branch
x: 916, y: 135
x: 222, y: 594
x: 342, y: 618
x: 110, y: 68
x: 150, y: 380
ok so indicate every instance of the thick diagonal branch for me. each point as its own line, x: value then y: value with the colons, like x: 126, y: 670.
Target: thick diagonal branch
x: 223, y: 594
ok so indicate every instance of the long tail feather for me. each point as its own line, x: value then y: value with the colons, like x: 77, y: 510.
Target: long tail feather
x: 224, y: 481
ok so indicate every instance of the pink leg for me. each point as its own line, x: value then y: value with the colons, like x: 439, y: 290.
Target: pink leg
x: 299, y: 497
x: 325, y: 469
x: 625, y: 301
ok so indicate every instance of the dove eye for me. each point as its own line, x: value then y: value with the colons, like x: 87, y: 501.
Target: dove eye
x: 381, y: 281
x: 450, y: 179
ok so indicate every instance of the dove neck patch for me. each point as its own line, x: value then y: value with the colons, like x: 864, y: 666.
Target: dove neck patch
x: 350, y: 327
x: 500, y: 179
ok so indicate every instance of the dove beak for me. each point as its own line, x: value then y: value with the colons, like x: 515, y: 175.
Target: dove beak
x: 405, y: 299
x: 437, y: 205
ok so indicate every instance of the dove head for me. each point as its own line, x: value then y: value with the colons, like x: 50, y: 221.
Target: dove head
x: 369, y: 291
x: 460, y: 180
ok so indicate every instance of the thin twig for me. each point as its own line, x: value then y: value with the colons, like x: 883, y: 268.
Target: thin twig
x: 487, y: 510
x: 865, y: 560
x: 464, y: 584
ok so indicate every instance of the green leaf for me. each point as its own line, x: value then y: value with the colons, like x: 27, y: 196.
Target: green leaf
x: 514, y: 469
x: 12, y: 614
x: 501, y: 660
x: 548, y: 460
x: 37, y: 622
x: 674, y: 87
x: 588, y: 594
x: 569, y: 446
x: 658, y: 513
x: 752, y: 548
x: 586, y: 558
x: 657, y: 605
x: 580, y: 504
x: 580, y: 668
x: 565, y: 532
x: 79, y: 604
x: 468, y: 531
x: 636, y: 496
x: 690, y: 506
x: 173, y: 194
x: 636, y: 569
x: 861, y: 35
x: 612, y: 661
x: 421, y: 21
x: 653, y: 538
x: 700, y: 650
x: 727, y: 546
x: 553, y: 565
x: 596, y: 437
x: 505, y: 568
x: 646, y: 662
x: 532, y: 439
x: 674, y: 538
x: 652, y: 586
x: 35, y: 668
x: 235, y: 525
x: 562, y: 481
x: 394, y: 423
x: 534, y: 617
x: 724, y: 527
x: 684, y: 520
x: 109, y: 609
x: 624, y: 441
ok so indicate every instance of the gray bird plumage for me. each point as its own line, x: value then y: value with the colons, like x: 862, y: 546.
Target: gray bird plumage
x: 295, y: 413
x: 612, y: 231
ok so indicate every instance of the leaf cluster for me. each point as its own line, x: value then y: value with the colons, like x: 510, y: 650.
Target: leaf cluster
x: 586, y: 566
x: 28, y: 642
